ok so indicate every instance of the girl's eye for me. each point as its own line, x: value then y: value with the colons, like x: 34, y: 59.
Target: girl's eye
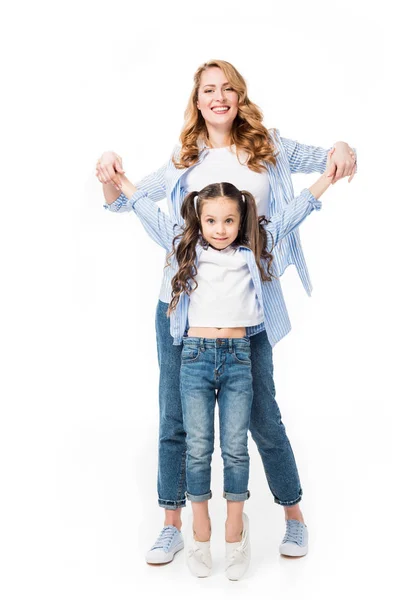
x: 211, y: 221
x: 206, y: 91
x: 229, y: 220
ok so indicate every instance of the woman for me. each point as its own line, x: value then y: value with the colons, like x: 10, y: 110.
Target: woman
x: 223, y: 139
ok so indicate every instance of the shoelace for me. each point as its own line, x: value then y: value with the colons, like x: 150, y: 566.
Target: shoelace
x: 294, y: 532
x: 165, y: 538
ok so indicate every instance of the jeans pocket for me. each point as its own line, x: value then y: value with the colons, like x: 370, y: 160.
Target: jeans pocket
x: 242, y: 356
x: 190, y: 354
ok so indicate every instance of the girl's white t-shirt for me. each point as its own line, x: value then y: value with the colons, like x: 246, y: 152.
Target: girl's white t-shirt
x: 225, y: 295
x: 222, y: 164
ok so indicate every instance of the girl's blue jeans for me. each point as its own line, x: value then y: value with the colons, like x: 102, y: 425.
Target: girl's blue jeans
x: 216, y: 370
x: 266, y: 425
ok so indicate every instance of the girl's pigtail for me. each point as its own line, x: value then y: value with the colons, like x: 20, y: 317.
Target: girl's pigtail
x: 256, y: 235
x: 189, y: 206
x: 185, y: 252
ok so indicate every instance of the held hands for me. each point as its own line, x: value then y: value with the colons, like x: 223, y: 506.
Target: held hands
x: 325, y: 180
x: 330, y: 169
x: 343, y: 164
x: 109, y: 169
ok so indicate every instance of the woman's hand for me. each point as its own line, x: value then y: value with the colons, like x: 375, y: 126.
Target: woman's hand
x: 330, y: 162
x: 109, y: 169
x: 343, y: 163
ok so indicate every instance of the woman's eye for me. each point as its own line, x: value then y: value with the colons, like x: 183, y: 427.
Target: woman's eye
x: 229, y: 89
x: 206, y: 91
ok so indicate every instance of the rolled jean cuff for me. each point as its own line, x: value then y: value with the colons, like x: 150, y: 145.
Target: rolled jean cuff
x: 201, y: 498
x: 289, y: 502
x: 172, y: 504
x: 236, y: 497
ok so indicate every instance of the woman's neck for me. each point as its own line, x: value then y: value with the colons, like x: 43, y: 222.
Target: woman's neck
x: 218, y: 138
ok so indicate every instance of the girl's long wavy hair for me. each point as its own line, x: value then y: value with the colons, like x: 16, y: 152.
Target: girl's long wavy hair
x: 252, y: 234
x: 247, y: 133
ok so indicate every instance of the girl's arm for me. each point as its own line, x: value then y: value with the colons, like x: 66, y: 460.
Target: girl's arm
x: 299, y: 208
x: 157, y: 223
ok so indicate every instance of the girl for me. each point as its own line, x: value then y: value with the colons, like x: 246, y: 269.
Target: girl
x: 223, y: 265
x: 224, y: 139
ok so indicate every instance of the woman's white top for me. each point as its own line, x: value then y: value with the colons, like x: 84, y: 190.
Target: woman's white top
x: 222, y: 164
x: 225, y: 296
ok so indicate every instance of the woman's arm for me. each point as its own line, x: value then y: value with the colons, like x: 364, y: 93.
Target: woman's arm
x: 310, y: 159
x: 300, y: 207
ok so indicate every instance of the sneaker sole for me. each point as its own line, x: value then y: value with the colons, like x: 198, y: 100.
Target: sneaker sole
x: 168, y: 558
x: 293, y: 551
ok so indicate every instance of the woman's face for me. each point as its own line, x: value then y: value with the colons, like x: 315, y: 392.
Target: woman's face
x: 217, y: 100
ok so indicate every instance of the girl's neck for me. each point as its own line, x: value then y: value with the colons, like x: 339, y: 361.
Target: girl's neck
x: 218, y: 138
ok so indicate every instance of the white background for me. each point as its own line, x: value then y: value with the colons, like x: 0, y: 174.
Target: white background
x: 79, y: 412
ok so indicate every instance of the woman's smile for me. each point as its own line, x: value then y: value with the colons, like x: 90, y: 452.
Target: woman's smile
x: 220, y: 109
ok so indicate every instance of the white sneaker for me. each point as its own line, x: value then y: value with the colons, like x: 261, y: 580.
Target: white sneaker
x: 198, y: 557
x: 237, y: 554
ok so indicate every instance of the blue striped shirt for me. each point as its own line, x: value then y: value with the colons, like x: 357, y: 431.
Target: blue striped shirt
x: 292, y: 157
x: 162, y: 229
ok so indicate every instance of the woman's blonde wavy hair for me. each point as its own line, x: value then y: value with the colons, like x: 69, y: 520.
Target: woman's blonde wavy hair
x: 247, y: 133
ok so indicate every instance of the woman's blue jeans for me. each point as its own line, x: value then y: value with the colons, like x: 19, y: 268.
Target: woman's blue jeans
x: 216, y: 370
x: 266, y: 425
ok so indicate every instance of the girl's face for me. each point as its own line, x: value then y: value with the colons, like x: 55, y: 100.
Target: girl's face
x: 220, y: 222
x: 217, y: 100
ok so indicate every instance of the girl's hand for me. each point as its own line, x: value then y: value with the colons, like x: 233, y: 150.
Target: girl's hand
x: 344, y: 162
x: 109, y: 169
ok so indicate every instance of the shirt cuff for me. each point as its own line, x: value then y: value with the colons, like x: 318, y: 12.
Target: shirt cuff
x: 123, y: 203
x: 118, y: 204
x: 316, y: 204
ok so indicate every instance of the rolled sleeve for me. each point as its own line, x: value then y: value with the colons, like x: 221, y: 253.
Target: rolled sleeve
x: 317, y: 205
x: 121, y: 204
